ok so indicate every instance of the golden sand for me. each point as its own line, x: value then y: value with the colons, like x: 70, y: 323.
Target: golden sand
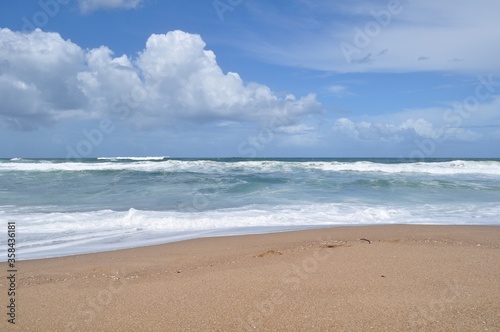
x: 372, y: 278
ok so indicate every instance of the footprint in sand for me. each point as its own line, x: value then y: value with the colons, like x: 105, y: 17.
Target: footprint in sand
x: 269, y: 253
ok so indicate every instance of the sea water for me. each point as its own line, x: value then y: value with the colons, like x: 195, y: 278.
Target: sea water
x: 62, y: 207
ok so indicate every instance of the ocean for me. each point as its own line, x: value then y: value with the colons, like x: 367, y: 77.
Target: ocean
x: 62, y: 207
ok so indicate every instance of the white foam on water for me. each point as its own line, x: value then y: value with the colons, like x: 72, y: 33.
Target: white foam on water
x: 59, y: 234
x: 133, y: 158
x: 142, y: 164
x: 437, y: 168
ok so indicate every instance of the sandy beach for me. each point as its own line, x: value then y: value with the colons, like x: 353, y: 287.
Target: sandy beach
x: 370, y: 278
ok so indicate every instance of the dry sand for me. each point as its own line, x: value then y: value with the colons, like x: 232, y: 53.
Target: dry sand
x: 409, y: 278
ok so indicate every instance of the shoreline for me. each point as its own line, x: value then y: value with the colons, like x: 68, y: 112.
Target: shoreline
x: 354, y: 278
x: 216, y: 235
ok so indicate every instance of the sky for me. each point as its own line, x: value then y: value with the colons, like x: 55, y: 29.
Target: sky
x: 250, y: 78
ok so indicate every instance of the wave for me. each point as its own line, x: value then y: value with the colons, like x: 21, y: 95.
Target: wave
x: 174, y: 221
x: 133, y: 158
x: 438, y: 168
x: 140, y: 164
x: 56, y: 234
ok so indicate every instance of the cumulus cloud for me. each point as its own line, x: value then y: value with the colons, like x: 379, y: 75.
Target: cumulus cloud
x: 87, y: 6
x: 177, y: 65
x: 38, y: 82
x: 45, y: 79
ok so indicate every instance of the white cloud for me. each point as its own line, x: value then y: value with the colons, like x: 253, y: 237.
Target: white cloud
x: 339, y: 90
x: 368, y: 131
x: 177, y: 65
x: 297, y: 129
x: 38, y: 78
x: 438, y: 124
x: 87, y: 6
x: 408, y: 130
x: 45, y: 79
x: 439, y: 32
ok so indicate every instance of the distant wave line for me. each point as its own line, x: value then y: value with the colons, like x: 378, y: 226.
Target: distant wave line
x: 134, y: 158
x: 216, y: 167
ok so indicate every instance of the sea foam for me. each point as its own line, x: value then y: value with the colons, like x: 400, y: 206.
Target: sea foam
x: 209, y: 166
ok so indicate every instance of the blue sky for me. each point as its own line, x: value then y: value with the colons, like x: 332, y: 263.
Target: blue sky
x: 249, y: 78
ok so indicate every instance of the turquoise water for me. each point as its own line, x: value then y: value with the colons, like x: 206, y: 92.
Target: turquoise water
x: 65, y: 207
